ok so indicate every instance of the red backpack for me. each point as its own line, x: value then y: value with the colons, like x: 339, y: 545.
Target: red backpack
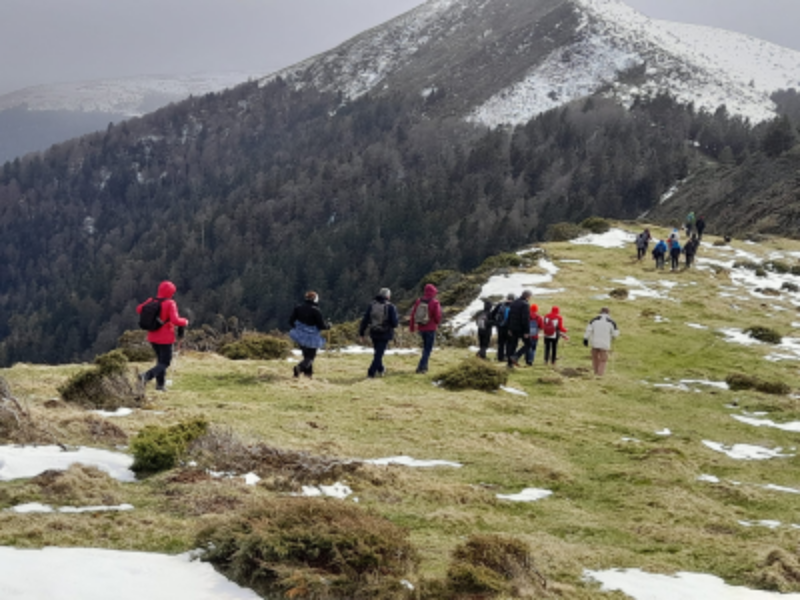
x: 549, y: 326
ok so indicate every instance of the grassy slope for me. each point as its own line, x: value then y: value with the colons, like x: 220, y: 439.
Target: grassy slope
x: 615, y: 503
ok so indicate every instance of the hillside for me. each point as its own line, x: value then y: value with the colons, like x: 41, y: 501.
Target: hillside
x: 658, y: 466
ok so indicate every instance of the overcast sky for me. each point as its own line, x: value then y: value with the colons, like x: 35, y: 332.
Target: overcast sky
x: 47, y: 41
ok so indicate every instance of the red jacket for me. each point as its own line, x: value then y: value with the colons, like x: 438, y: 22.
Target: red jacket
x: 434, y: 310
x: 555, y: 316
x: 169, y: 315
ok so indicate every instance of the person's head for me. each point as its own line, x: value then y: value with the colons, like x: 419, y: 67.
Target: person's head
x: 487, y: 304
x: 312, y: 297
x: 511, y: 297
x: 385, y: 293
x: 430, y: 291
x: 166, y: 289
x: 526, y: 295
x: 605, y: 311
x: 534, y: 309
x: 555, y: 310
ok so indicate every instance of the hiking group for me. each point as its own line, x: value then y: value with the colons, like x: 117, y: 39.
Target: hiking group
x: 671, y: 247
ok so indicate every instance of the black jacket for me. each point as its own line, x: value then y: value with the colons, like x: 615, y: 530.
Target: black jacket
x: 308, y: 313
x: 391, y: 321
x: 519, y: 317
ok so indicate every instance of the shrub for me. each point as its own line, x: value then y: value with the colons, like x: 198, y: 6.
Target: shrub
x: 134, y: 346
x: 500, y: 261
x: 474, y: 374
x: 740, y: 381
x: 344, y: 334
x: 492, y: 565
x: 310, y: 548
x: 795, y: 270
x: 104, y: 386
x: 790, y: 287
x: 761, y: 272
x: 461, y: 293
x: 257, y: 346
x: 563, y: 232
x: 746, y: 264
x: 596, y: 224
x: 777, y: 266
x: 161, y: 448
x: 764, y: 334
x: 441, y: 279
x: 618, y: 293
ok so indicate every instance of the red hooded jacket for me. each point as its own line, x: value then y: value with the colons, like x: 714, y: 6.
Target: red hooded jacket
x: 558, y: 320
x: 434, y: 310
x: 169, y: 315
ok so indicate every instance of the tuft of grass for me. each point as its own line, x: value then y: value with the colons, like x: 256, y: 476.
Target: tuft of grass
x: 740, y: 381
x: 779, y: 573
x: 79, y: 485
x: 257, y: 346
x: 474, y: 374
x: 310, y: 548
x: 160, y: 448
x: 618, y: 293
x: 764, y: 334
x: 104, y: 386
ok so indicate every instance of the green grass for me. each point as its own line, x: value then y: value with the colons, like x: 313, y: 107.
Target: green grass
x: 615, y: 504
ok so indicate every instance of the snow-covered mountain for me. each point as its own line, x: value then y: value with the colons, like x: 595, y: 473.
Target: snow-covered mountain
x: 504, y: 61
x: 130, y: 97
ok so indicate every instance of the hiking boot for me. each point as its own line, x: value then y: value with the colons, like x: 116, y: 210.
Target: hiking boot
x: 382, y: 373
x: 161, y: 388
x: 513, y: 362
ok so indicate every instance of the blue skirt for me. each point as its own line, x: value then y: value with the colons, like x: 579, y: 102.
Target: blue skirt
x: 307, y: 336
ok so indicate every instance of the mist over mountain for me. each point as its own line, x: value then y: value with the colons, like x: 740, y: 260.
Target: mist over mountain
x: 459, y: 130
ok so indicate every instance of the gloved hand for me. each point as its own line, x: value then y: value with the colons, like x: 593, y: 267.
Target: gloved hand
x: 181, y: 332
x: 586, y: 342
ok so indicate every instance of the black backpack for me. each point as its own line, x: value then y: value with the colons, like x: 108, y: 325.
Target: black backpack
x: 150, y: 317
x: 379, y: 318
x: 499, y: 315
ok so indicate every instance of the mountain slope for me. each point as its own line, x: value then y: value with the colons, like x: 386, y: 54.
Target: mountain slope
x: 505, y: 62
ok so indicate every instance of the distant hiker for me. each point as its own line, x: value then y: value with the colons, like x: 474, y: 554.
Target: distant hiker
x: 483, y: 320
x: 159, y: 316
x: 659, y: 253
x: 519, y: 327
x: 536, y: 327
x: 690, y: 250
x: 307, y: 324
x: 674, y: 237
x: 701, y: 227
x: 675, y: 254
x: 690, y: 223
x: 500, y: 320
x: 553, y: 328
x: 380, y: 321
x: 425, y: 318
x: 599, y: 333
x: 642, y: 241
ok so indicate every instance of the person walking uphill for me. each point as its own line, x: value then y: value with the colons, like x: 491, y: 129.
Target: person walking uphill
x: 425, y: 318
x: 159, y: 316
x: 381, y: 321
x: 519, y: 328
x: 500, y: 320
x: 599, y: 333
x: 536, y: 327
x: 483, y: 321
x: 553, y: 330
x: 307, y: 323
x: 659, y: 252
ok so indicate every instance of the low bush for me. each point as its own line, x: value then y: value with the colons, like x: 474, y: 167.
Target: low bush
x: 596, y: 224
x: 311, y: 548
x: 158, y: 449
x: 474, y: 374
x: 764, y: 334
x: 740, y: 381
x: 134, y: 346
x: 257, y: 346
x: 746, y: 264
x: 790, y: 287
x: 492, y: 565
x: 563, y: 232
x: 777, y: 266
x: 106, y: 386
x: 618, y: 293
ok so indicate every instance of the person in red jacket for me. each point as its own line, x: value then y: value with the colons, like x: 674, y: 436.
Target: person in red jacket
x: 537, y: 324
x: 553, y: 329
x: 163, y: 338
x: 425, y: 318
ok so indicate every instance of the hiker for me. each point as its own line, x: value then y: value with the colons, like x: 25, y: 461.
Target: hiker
x: 536, y: 326
x: 307, y: 324
x: 674, y: 254
x: 483, y: 320
x: 701, y: 227
x: 659, y: 252
x: 690, y: 250
x: 690, y: 222
x: 162, y: 315
x: 674, y: 237
x: 425, y: 318
x: 553, y: 327
x: 599, y: 333
x: 642, y: 241
x: 500, y: 320
x: 381, y: 321
x: 519, y: 328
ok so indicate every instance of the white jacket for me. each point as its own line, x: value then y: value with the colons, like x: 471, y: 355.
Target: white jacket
x: 600, y: 331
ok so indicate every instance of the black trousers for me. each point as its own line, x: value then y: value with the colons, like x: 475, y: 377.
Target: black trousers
x: 484, y: 339
x: 512, y: 354
x: 163, y: 361
x: 550, y: 350
x: 306, y: 365
x: 502, y: 341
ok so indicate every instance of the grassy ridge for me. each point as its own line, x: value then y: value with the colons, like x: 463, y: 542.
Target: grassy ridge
x: 616, y: 503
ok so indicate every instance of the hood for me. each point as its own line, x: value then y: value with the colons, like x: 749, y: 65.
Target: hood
x: 555, y: 310
x: 166, y: 289
x: 430, y: 291
x: 534, y: 309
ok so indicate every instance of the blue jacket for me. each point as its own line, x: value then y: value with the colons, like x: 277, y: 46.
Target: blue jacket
x: 661, y: 247
x: 391, y: 321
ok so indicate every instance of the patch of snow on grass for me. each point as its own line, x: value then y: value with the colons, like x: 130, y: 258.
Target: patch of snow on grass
x: 613, y: 238
x: 120, y: 412
x: 708, y: 478
x: 94, y: 574
x: 526, y: 495
x: 36, y: 507
x: 793, y: 426
x: 664, y: 432
x: 407, y: 461
x: 337, y: 490
x: 514, y: 391
x: 746, y: 451
x: 22, y: 462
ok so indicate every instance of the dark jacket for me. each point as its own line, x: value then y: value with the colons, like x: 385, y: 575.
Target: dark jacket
x: 391, y: 321
x: 308, y: 313
x: 519, y: 317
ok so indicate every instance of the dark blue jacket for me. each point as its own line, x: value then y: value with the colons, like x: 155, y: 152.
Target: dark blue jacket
x: 391, y: 321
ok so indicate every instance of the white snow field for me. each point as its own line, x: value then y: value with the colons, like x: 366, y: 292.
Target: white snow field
x: 93, y: 574
x: 19, y: 462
